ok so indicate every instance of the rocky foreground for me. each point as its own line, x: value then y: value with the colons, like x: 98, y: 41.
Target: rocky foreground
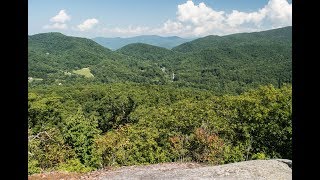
x: 256, y: 169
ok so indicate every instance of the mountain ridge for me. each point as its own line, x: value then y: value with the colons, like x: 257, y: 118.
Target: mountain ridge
x: 161, y: 41
x: 274, y: 35
x: 231, y: 63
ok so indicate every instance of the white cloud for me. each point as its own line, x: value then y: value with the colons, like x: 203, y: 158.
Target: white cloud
x: 205, y: 20
x: 61, y: 17
x: 276, y: 13
x: 237, y: 18
x: 170, y: 27
x: 279, y: 12
x: 88, y: 24
x: 126, y: 30
x: 60, y: 26
x: 202, y: 20
x: 198, y: 14
x: 58, y: 21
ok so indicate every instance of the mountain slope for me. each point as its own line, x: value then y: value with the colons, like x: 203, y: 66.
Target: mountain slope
x: 54, y: 56
x: 55, y: 42
x: 63, y: 52
x: 116, y: 43
x: 281, y: 36
x: 227, y: 64
x: 146, y: 51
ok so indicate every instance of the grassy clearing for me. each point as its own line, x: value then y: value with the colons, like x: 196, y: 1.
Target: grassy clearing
x: 85, y: 72
x: 30, y: 79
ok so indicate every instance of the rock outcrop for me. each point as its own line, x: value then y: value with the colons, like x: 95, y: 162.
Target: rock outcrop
x: 255, y: 169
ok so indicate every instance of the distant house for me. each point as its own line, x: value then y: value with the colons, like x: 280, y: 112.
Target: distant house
x: 163, y: 69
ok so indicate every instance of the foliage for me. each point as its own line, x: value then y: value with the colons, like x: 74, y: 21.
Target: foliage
x: 259, y: 156
x: 129, y: 124
x: 233, y: 154
x: 73, y: 165
x: 131, y: 145
x: 206, y: 146
x: 225, y: 65
x: 33, y: 167
x: 47, y: 149
x: 79, y: 133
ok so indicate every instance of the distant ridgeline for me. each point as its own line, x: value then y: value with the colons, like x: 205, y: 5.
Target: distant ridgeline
x: 116, y: 43
x: 222, y: 64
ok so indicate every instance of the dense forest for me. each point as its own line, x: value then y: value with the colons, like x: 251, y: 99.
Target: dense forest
x: 228, y: 64
x: 216, y: 100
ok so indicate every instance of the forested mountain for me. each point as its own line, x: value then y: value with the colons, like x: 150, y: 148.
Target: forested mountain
x: 146, y: 51
x: 116, y: 43
x: 225, y: 64
x: 230, y: 63
x: 54, y: 57
x: 54, y: 52
x: 279, y: 37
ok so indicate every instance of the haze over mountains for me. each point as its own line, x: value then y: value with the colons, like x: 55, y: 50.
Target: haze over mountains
x: 229, y: 63
x: 118, y: 42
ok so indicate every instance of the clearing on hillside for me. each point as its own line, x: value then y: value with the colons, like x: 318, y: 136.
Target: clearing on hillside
x: 30, y: 79
x: 85, y: 72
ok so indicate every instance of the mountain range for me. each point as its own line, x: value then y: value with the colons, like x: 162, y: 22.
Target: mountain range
x: 231, y: 63
x: 117, y: 42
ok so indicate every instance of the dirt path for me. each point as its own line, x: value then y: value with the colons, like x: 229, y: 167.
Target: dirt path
x: 257, y: 169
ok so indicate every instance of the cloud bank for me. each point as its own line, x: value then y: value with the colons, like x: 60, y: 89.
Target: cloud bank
x: 193, y: 20
x: 200, y: 20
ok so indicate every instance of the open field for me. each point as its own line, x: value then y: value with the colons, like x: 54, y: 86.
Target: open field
x: 85, y: 72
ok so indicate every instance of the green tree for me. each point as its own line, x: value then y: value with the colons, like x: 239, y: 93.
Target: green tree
x: 79, y: 133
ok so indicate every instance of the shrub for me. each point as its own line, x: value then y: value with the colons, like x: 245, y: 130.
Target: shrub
x: 73, y: 165
x: 259, y: 156
x: 33, y: 167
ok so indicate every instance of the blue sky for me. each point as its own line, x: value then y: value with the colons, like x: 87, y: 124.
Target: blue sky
x: 186, y: 18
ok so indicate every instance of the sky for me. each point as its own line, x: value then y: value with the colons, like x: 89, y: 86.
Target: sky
x: 184, y: 18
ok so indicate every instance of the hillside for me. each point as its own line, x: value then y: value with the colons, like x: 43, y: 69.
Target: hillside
x: 230, y: 63
x: 279, y: 37
x: 165, y: 42
x: 51, y: 53
x: 226, y: 64
x: 54, y: 57
x: 146, y: 51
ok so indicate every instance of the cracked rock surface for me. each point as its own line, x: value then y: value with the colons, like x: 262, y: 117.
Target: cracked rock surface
x: 273, y: 169
x: 255, y: 169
